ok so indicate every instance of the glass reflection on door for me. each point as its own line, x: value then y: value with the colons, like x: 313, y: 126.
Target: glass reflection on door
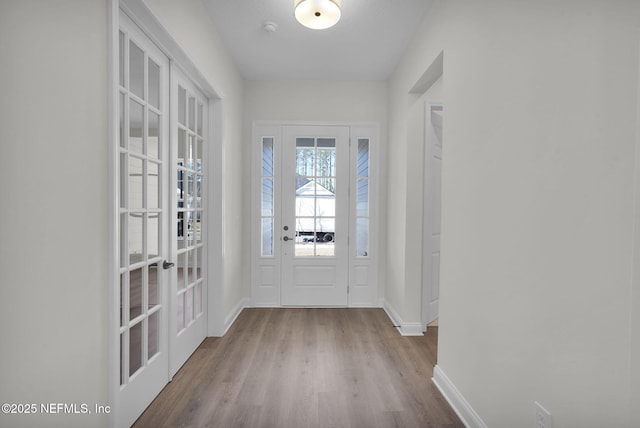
x: 315, y: 213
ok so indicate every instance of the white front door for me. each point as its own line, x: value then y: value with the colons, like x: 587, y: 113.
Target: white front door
x: 315, y: 215
x: 143, y: 189
x: 188, y: 321
x: 432, y: 229
x: 314, y: 230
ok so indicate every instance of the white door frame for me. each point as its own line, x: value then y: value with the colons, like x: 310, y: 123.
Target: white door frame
x: 142, y: 16
x: 266, y: 269
x: 430, y: 288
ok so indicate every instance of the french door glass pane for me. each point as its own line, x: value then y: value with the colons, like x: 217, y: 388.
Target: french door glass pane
x: 123, y: 183
x: 153, y: 334
x: 121, y: 130
x: 135, y: 293
x: 123, y: 351
x: 200, y: 118
x: 182, y: 146
x: 190, y: 194
x: 154, y: 295
x: 153, y: 234
x: 153, y: 185
x: 122, y: 291
x: 188, y: 232
x: 135, y: 348
x: 199, y: 155
x: 192, y: 114
x: 135, y: 183
x: 198, y: 298
x: 153, y: 135
x: 154, y: 84
x: 182, y: 266
x: 189, y: 305
x: 198, y: 191
x: 135, y: 238
x: 136, y: 70
x: 191, y: 147
x: 198, y: 231
x: 180, y: 311
x: 181, y: 230
x: 191, y: 272
x: 136, y: 117
x: 182, y: 105
x: 121, y: 58
x: 199, y: 263
x: 124, y: 243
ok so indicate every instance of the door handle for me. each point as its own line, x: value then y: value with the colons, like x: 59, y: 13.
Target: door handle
x: 167, y: 265
x: 286, y: 238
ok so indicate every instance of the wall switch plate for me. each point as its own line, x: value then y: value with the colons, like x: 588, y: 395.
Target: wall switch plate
x: 543, y: 417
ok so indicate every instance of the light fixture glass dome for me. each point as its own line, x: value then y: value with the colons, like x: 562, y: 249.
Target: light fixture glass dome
x: 318, y: 14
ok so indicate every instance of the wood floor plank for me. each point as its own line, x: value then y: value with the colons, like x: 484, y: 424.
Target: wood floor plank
x: 306, y: 368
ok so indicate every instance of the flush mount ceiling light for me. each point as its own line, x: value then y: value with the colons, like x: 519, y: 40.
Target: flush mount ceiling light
x: 318, y: 14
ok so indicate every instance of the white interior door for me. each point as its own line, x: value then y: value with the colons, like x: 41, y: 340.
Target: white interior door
x: 188, y: 321
x: 432, y: 229
x: 314, y: 228
x: 143, y: 243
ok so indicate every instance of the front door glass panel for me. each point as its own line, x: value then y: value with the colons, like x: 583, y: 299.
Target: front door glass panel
x: 315, y: 196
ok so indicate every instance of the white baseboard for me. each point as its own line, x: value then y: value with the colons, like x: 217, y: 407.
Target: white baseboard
x: 231, y: 318
x: 463, y: 409
x: 404, y: 328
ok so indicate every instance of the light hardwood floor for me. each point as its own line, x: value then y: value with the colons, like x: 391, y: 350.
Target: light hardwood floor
x: 297, y: 368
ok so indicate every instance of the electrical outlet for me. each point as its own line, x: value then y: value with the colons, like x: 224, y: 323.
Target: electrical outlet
x: 543, y: 417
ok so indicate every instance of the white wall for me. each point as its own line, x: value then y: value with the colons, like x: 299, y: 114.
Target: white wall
x: 318, y: 101
x: 189, y: 23
x: 538, y: 174
x: 53, y: 214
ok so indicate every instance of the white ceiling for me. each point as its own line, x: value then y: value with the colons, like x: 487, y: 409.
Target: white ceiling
x: 366, y: 44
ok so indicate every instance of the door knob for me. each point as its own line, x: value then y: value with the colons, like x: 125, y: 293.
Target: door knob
x: 286, y: 238
x: 166, y: 265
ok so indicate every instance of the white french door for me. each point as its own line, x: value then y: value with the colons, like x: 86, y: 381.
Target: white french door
x: 188, y: 321
x: 142, y: 220
x: 315, y: 215
x: 161, y: 172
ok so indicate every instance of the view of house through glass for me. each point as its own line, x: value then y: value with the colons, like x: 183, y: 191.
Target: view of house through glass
x: 315, y: 196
